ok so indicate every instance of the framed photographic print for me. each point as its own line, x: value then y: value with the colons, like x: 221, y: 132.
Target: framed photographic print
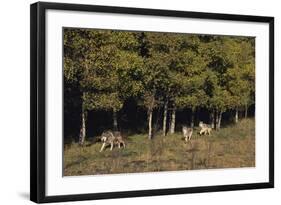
x: 129, y: 102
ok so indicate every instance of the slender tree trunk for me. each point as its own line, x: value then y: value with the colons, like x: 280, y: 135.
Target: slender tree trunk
x: 165, y: 118
x: 216, y: 122
x: 170, y: 120
x: 192, y: 119
x: 236, y: 115
x: 219, y: 114
x: 149, y: 124
x: 213, y: 119
x: 115, y: 122
x: 173, y: 121
x: 82, y: 128
x: 246, y: 111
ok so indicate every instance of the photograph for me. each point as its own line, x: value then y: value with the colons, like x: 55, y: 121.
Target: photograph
x: 145, y: 101
x: 136, y: 101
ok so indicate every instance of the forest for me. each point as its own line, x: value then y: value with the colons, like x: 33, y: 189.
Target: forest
x: 152, y: 82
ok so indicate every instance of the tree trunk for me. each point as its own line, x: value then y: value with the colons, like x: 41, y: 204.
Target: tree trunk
x: 115, y: 123
x: 192, y: 119
x: 219, y: 114
x: 82, y: 128
x: 246, y: 111
x: 149, y: 124
x: 236, y: 115
x: 165, y: 118
x: 213, y: 119
x: 173, y: 121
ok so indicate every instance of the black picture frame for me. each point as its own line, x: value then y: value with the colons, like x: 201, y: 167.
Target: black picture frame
x: 38, y: 101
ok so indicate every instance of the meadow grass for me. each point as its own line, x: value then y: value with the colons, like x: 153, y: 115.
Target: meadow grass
x: 230, y: 147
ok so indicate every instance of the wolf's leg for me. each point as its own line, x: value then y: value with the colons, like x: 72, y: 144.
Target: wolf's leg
x: 189, y: 137
x: 111, y: 147
x: 102, y: 147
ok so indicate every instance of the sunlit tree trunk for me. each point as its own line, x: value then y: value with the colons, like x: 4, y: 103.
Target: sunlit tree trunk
x: 173, y: 121
x: 115, y: 122
x: 219, y: 114
x: 165, y: 118
x: 82, y: 134
x: 236, y: 115
x: 149, y: 124
x: 213, y: 119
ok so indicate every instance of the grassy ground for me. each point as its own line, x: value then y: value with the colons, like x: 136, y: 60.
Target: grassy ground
x: 232, y: 146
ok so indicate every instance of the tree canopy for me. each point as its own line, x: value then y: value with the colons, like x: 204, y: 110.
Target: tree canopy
x: 166, y: 71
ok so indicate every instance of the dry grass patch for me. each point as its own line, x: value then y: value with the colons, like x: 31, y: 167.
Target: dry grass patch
x: 231, y: 147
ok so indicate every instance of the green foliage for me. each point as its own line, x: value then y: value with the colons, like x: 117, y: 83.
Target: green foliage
x: 231, y: 82
x: 106, y: 65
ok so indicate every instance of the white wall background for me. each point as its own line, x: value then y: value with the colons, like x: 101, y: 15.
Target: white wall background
x: 14, y: 100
